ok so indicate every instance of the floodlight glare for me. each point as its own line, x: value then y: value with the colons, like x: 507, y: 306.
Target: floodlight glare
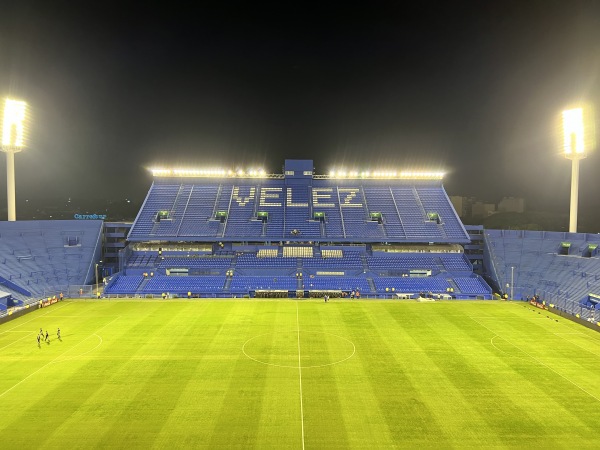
x: 157, y: 172
x: 160, y: 172
x: 573, y: 131
x: 13, y: 123
x: 13, y: 141
x: 425, y: 175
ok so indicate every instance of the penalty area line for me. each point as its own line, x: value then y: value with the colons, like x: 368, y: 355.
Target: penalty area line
x: 37, y: 317
x: 539, y: 362
x: 57, y: 358
x: 20, y: 339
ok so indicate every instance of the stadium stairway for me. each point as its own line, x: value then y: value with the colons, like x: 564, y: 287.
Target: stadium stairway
x: 453, y: 284
x: 142, y: 286
x: 366, y: 267
x: 372, y: 285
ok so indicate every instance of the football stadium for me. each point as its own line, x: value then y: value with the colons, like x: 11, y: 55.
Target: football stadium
x: 243, y: 309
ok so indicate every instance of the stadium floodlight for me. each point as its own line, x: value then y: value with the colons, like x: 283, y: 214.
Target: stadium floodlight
x: 156, y: 172
x: 578, y: 138
x: 573, y: 131
x: 159, y: 172
x: 422, y: 175
x: 386, y: 174
x: 13, y: 141
x: 13, y: 124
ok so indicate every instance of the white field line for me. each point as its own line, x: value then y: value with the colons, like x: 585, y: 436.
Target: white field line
x: 78, y: 317
x: 57, y: 358
x: 576, y: 345
x: 589, y: 337
x: 300, y: 376
x: 295, y: 367
x: 538, y: 361
x: 36, y: 318
x: 506, y: 353
x: 84, y: 353
x: 14, y: 342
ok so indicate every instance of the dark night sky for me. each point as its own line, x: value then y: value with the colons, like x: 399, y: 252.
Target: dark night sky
x: 472, y: 88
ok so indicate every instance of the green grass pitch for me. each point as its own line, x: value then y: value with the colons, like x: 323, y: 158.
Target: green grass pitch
x: 298, y: 374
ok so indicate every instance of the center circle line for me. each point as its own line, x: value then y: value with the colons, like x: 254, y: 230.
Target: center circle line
x: 296, y: 366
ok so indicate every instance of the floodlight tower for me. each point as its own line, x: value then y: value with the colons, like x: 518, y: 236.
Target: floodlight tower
x: 12, y: 142
x: 578, y: 139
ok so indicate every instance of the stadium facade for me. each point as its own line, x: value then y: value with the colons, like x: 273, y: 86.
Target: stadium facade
x: 297, y: 234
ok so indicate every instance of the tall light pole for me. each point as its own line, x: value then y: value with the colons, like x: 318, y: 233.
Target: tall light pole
x: 512, y: 282
x: 578, y: 139
x: 13, y: 140
x: 97, y: 285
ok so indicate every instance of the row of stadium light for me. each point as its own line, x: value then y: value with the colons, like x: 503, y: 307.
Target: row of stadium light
x: 157, y: 172
x: 385, y: 174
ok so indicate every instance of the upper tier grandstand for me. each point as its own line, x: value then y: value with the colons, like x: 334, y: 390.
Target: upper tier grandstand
x: 297, y: 209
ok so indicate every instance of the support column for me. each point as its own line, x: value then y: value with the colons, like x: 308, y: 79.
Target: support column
x: 574, y: 195
x: 10, y: 186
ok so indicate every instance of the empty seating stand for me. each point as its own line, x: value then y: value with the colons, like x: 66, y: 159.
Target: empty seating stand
x: 271, y: 229
x: 187, y: 211
x: 39, y: 256
x: 533, y: 262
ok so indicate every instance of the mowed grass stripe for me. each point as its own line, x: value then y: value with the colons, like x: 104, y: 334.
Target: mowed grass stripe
x: 191, y: 423
x: 324, y: 418
x: 172, y: 373
x: 403, y: 404
x: 153, y: 385
x: 556, y: 355
x: 182, y: 337
x: 55, y: 392
x: 524, y: 380
x: 481, y: 384
x: 116, y: 384
x: 540, y: 387
x: 366, y: 423
x: 241, y: 414
x: 280, y: 424
x: 425, y: 364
